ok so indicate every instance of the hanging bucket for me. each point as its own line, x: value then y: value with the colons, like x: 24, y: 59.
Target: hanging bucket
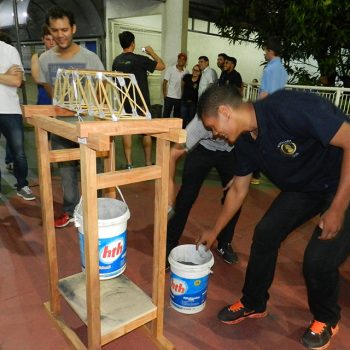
x: 113, y: 215
x: 190, y: 270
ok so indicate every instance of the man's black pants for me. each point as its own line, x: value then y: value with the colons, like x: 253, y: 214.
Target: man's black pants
x: 197, y: 166
x: 321, y: 258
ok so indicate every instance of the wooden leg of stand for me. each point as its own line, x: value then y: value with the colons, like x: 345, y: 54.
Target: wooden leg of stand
x: 43, y: 151
x: 90, y: 214
x: 159, y: 253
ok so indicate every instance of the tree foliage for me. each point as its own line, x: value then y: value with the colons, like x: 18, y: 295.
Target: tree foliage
x: 306, y: 28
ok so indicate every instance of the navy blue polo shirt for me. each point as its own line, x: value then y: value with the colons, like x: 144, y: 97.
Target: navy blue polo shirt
x: 292, y: 147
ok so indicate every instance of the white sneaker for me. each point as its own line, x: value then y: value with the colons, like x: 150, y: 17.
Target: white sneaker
x: 26, y: 193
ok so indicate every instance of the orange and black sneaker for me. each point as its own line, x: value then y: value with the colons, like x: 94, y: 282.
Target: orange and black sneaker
x: 318, y: 335
x: 232, y: 314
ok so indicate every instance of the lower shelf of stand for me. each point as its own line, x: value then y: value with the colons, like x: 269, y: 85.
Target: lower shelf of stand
x: 123, y: 305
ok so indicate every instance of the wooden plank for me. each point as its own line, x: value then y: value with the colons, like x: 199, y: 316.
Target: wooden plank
x: 71, y: 336
x: 98, y: 141
x: 125, y: 177
x: 108, y: 166
x: 64, y: 155
x: 160, y: 229
x: 55, y: 126
x: 128, y: 127
x: 29, y: 111
x: 44, y: 171
x: 174, y: 135
x: 161, y: 342
x: 124, y: 306
x: 130, y: 326
x: 90, y: 215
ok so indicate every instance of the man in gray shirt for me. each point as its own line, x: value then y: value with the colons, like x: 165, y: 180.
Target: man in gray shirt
x: 204, y: 153
x: 66, y: 54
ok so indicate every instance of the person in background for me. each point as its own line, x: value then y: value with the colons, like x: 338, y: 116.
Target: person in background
x: 139, y: 65
x: 11, y: 123
x: 208, y: 76
x: 230, y: 76
x: 189, y: 99
x: 301, y: 143
x: 8, y: 156
x: 203, y: 153
x: 274, y: 75
x: 49, y: 43
x: 220, y: 61
x: 66, y: 54
x: 274, y: 78
x: 172, y: 86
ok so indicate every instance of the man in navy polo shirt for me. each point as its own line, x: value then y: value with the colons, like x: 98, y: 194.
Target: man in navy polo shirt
x: 301, y: 143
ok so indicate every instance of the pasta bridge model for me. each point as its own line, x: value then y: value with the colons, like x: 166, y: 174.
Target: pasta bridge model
x: 102, y: 94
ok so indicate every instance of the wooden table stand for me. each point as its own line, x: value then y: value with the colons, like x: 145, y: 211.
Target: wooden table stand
x: 100, y: 304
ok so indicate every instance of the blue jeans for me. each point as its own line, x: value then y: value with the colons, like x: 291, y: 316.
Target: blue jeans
x: 69, y: 175
x: 8, y: 156
x: 321, y: 258
x: 11, y: 126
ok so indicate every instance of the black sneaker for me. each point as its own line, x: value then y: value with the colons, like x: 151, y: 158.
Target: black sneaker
x: 227, y: 253
x: 318, y: 335
x: 237, y: 312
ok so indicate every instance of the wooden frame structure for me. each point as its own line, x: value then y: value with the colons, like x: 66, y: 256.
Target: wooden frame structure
x: 90, y: 298
x: 108, y: 95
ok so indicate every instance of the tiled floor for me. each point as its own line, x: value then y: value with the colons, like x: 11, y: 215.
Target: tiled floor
x: 25, y: 325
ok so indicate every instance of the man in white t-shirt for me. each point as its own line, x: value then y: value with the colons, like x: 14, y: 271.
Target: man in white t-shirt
x: 11, y: 125
x: 172, y: 86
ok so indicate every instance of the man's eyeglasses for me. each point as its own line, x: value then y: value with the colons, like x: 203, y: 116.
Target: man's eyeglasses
x: 195, y: 70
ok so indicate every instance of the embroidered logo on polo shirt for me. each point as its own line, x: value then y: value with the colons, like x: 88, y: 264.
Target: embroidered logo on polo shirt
x: 288, y: 148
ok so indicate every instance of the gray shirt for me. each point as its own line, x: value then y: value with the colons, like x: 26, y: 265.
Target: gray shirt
x: 197, y: 133
x: 50, y: 62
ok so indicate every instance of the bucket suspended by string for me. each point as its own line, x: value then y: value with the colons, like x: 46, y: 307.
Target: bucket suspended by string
x: 113, y: 215
x: 190, y: 270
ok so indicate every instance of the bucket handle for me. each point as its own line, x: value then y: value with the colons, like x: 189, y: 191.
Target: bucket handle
x: 121, y: 194
x: 77, y: 208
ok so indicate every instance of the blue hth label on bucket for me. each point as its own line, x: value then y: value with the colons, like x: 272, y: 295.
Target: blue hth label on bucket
x: 112, y: 254
x: 188, y: 293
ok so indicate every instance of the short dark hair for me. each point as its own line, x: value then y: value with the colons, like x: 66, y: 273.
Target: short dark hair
x: 5, y: 38
x: 274, y: 45
x: 205, y: 58
x: 126, y: 39
x: 215, y: 96
x: 58, y: 13
x: 222, y: 54
x: 232, y: 59
x: 45, y: 30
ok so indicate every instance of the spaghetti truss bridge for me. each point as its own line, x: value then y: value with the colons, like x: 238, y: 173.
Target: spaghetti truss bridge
x: 101, y: 94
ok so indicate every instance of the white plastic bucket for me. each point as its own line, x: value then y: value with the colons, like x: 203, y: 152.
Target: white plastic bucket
x: 190, y: 270
x: 113, y: 215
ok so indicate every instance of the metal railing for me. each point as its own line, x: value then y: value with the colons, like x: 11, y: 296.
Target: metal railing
x: 337, y: 95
